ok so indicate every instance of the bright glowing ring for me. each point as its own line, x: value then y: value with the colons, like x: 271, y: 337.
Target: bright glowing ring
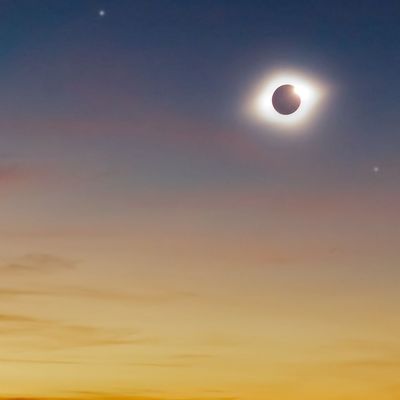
x: 309, y: 91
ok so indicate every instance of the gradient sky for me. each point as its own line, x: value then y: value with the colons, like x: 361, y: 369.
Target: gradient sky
x: 155, y: 244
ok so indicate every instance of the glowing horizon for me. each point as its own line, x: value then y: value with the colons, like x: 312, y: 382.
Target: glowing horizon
x: 164, y: 238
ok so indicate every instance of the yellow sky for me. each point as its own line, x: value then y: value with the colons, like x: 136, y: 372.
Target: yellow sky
x: 187, y: 305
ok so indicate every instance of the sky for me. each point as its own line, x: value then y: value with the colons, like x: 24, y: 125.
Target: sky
x: 157, y: 244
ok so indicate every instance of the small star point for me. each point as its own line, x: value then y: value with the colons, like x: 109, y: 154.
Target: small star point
x: 102, y: 13
x: 376, y: 169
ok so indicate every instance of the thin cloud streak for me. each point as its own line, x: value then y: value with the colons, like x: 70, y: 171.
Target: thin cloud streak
x: 149, y: 299
x: 104, y: 396
x: 51, y: 334
x: 37, y: 263
x: 31, y: 361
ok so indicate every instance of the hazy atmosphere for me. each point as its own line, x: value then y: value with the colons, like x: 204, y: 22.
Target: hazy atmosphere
x: 159, y: 241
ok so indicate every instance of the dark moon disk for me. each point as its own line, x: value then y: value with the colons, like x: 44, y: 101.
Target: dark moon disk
x: 285, y: 100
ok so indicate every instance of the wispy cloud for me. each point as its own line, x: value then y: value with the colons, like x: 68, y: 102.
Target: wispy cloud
x: 13, y: 292
x: 175, y: 361
x: 132, y: 298
x: 371, y: 363
x: 18, y: 318
x: 105, y: 396
x: 52, y: 334
x: 138, y: 298
x: 36, y: 263
x: 33, y: 361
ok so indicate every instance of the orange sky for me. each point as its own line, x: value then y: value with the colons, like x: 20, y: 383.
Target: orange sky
x: 155, y: 244
x: 203, y: 301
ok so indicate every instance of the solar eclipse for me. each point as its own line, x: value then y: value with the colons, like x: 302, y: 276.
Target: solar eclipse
x: 287, y: 99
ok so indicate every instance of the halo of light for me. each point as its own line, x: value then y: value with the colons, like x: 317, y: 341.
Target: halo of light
x: 261, y: 107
